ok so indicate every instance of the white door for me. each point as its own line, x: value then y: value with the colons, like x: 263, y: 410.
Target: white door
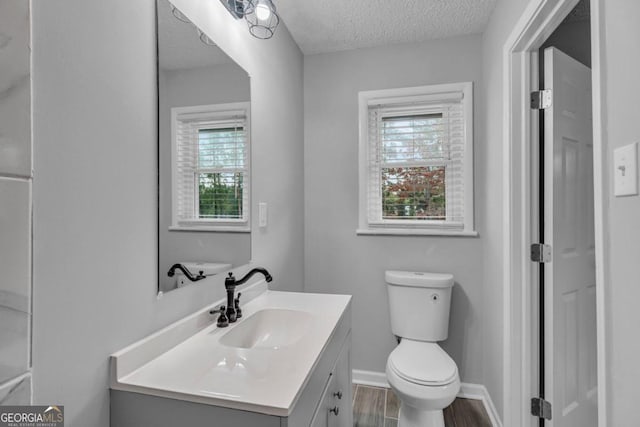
x: 570, y: 298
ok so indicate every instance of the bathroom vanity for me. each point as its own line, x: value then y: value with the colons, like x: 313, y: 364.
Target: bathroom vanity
x: 286, y: 362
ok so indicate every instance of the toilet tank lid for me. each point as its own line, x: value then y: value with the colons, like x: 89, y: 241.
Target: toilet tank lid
x: 419, y: 279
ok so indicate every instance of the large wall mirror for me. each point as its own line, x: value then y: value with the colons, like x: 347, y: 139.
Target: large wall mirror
x: 204, y: 146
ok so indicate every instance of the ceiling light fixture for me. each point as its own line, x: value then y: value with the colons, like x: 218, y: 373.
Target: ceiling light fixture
x: 262, y: 11
x: 235, y: 7
x: 261, y: 15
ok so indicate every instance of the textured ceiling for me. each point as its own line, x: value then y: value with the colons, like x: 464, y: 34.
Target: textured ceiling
x: 332, y: 25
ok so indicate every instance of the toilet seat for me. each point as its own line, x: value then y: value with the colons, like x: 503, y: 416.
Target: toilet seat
x: 423, y: 363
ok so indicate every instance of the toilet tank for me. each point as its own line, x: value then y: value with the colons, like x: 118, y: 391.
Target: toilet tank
x: 419, y: 304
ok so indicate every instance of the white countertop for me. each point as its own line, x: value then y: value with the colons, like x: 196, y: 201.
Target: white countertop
x: 201, y: 369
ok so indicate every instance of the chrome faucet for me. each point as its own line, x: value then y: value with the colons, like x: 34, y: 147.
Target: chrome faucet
x: 233, y: 304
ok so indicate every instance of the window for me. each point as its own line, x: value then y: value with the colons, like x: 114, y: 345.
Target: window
x: 210, y: 167
x: 416, y: 160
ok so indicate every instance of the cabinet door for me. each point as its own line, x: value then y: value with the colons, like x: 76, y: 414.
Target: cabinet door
x: 340, y: 393
x: 321, y: 418
x: 335, y: 409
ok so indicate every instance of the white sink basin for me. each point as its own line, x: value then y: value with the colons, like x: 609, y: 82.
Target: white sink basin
x: 269, y: 328
x: 274, y: 346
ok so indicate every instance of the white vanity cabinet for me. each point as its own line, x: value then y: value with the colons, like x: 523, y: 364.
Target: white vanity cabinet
x: 178, y: 388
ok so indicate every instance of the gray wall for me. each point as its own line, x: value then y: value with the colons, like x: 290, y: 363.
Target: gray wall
x: 218, y: 84
x: 622, y: 127
x: 15, y: 202
x: 95, y: 187
x: 501, y: 23
x: 339, y: 261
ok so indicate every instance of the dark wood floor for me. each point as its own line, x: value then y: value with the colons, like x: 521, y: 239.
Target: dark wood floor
x: 378, y: 407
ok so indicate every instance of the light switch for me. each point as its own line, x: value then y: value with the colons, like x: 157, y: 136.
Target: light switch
x: 262, y: 214
x: 625, y: 169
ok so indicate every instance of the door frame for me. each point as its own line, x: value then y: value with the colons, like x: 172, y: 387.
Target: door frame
x: 520, y: 209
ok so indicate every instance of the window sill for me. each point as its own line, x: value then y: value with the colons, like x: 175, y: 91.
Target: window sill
x: 414, y: 232
x: 215, y: 229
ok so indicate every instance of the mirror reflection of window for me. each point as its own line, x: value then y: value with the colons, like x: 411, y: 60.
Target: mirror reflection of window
x: 221, y: 184
x: 210, y: 161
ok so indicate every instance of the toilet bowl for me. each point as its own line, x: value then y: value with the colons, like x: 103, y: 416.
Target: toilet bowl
x: 425, y: 380
x: 423, y: 376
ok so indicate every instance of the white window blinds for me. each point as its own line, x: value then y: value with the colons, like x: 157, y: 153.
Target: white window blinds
x: 417, y: 170
x: 210, y: 167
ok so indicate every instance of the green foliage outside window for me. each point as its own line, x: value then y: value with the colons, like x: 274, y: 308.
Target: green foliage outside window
x: 221, y: 191
x: 220, y: 195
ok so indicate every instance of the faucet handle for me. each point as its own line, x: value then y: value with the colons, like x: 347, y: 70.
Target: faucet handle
x: 223, y: 322
x: 230, y: 281
x: 236, y: 303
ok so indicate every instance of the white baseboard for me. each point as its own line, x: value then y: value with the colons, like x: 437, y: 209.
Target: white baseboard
x: 370, y: 378
x: 467, y: 391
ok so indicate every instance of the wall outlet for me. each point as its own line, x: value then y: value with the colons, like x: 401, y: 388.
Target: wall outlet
x: 625, y: 170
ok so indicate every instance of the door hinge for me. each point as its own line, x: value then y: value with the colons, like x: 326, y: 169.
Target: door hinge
x: 541, y: 252
x: 540, y: 408
x: 541, y: 99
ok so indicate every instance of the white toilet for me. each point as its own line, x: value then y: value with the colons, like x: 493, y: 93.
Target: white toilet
x: 420, y: 372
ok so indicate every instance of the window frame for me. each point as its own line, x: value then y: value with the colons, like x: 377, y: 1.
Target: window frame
x: 211, y: 112
x: 424, y: 97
